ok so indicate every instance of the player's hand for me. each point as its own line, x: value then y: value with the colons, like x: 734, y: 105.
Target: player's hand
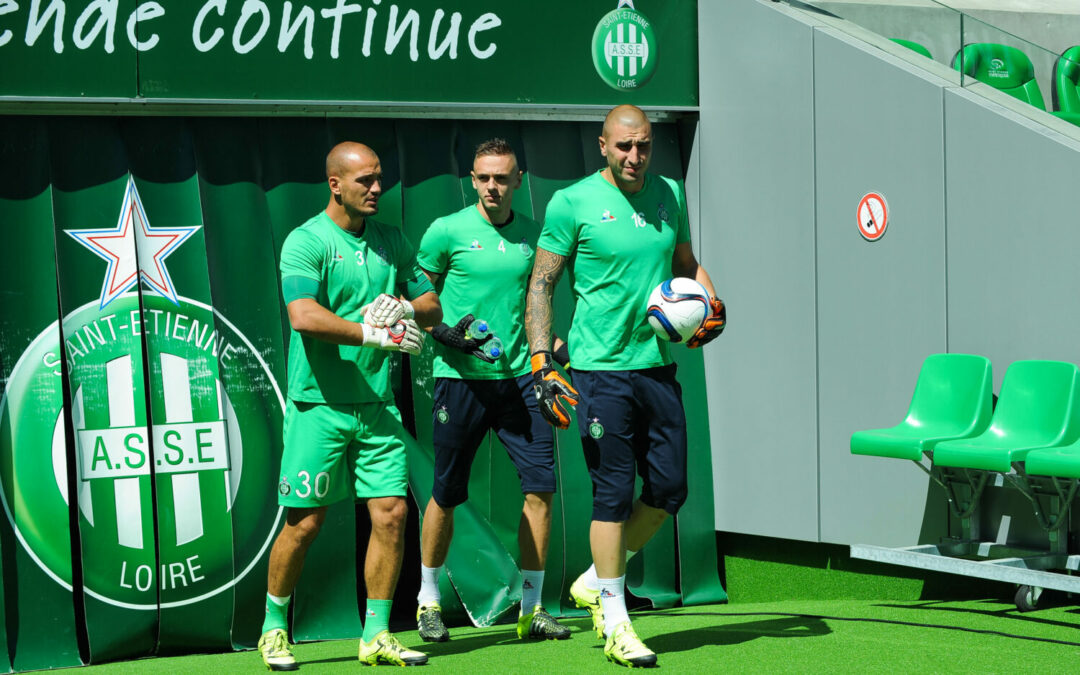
x: 386, y: 310
x: 552, y: 391
x: 403, y: 336
x: 711, y: 327
x: 456, y: 338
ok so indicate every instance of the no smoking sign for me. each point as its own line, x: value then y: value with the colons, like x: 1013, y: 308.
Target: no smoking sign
x: 873, y: 216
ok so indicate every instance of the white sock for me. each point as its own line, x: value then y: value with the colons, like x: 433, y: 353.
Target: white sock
x: 278, y: 600
x: 613, y: 602
x: 592, y: 582
x: 429, y: 585
x: 532, y: 584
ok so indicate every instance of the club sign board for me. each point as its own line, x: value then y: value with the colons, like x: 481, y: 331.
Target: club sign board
x: 453, y: 51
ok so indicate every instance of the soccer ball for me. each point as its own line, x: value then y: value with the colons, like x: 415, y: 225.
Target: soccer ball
x: 677, y: 307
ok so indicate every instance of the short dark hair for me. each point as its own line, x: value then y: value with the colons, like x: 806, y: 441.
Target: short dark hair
x: 495, y: 146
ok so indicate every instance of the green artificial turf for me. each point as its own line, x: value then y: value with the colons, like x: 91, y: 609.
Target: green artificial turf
x: 798, y: 636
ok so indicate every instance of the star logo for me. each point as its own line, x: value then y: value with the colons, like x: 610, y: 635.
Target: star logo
x: 134, y: 250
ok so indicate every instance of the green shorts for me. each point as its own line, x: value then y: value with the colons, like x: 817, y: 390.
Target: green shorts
x: 327, y: 446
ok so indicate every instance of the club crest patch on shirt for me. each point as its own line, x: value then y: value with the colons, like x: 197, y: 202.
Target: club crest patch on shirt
x: 662, y: 213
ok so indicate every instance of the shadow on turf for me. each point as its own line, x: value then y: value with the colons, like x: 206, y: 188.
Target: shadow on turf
x: 732, y: 634
x: 1001, y: 612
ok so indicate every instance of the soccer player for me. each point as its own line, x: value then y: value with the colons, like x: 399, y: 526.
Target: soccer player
x: 479, y: 260
x: 340, y: 275
x: 621, y: 231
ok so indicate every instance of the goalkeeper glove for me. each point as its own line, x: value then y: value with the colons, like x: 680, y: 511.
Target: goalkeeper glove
x: 711, y: 327
x: 386, y: 310
x: 550, y: 387
x: 456, y: 338
x: 403, y: 336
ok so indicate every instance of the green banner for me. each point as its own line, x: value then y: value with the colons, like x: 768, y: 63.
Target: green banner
x: 35, y: 538
x: 596, y: 52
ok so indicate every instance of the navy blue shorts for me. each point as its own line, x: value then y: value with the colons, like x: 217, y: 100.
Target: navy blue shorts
x: 632, y: 420
x: 465, y: 410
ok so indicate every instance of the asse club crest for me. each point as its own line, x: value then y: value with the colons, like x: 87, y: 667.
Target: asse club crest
x: 624, y: 48
x: 181, y: 433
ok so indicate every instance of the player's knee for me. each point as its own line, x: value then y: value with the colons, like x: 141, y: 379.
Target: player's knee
x: 669, y: 498
x: 390, y: 514
x: 538, y: 503
x: 302, y: 526
x: 449, y: 496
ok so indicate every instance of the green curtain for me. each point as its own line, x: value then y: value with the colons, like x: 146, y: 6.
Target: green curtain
x: 140, y: 472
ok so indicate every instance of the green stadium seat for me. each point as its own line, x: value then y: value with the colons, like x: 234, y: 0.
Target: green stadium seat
x: 952, y: 400
x: 1005, y: 68
x: 913, y: 46
x: 1063, y: 462
x: 1066, y: 88
x: 1038, y: 408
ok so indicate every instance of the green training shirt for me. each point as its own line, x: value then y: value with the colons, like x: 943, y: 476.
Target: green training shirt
x: 344, y: 272
x: 619, y: 248
x: 485, y: 272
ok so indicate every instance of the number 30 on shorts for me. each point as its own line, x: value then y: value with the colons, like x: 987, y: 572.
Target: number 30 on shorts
x: 322, y: 484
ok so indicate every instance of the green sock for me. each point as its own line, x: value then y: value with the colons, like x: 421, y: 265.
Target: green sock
x: 277, y: 613
x: 376, y: 618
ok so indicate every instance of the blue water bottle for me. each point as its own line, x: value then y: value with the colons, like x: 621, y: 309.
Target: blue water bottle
x: 479, y: 330
x: 493, y: 347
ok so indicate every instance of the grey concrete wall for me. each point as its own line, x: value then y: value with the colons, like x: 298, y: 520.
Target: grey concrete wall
x: 881, y: 305
x: 827, y: 331
x: 757, y: 198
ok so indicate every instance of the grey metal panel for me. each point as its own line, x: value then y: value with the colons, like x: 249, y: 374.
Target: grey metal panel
x: 1013, y: 236
x: 881, y: 304
x: 756, y: 202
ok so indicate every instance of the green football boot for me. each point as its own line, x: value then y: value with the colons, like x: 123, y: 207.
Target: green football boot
x: 539, y: 625
x: 586, y: 598
x: 625, y: 648
x: 274, y: 647
x: 385, y: 648
x: 429, y: 621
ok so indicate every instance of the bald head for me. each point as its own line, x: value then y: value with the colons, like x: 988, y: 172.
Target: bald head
x: 625, y: 116
x: 344, y: 156
x: 625, y: 144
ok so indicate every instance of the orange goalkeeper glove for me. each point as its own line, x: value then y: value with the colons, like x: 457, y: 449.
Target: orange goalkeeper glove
x: 711, y: 327
x: 550, y: 387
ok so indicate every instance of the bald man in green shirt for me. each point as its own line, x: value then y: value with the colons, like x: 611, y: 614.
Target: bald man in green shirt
x: 354, y: 294
x: 621, y: 232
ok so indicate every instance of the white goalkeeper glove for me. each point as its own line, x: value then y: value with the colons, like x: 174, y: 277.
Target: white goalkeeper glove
x: 403, y: 336
x: 386, y: 310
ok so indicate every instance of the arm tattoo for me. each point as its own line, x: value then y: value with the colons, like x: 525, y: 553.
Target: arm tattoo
x: 547, y: 269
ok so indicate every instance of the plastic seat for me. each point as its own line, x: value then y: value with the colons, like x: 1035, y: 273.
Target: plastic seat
x: 1066, y: 79
x: 1038, y: 408
x: 952, y: 399
x: 913, y: 46
x: 1002, y: 67
x: 1063, y: 462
